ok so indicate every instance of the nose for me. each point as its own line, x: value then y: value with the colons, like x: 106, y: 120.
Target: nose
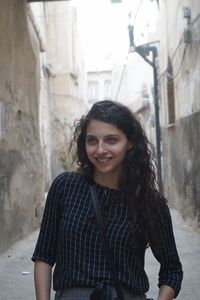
x: 101, y: 148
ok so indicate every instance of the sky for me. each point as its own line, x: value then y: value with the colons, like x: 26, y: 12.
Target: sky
x: 104, y: 28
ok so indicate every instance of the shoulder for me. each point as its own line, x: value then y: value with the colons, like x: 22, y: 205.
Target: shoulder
x: 67, y: 184
x: 158, y: 201
x: 68, y: 177
x: 70, y: 180
x: 161, y: 202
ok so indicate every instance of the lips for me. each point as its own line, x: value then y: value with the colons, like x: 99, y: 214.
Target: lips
x: 103, y: 160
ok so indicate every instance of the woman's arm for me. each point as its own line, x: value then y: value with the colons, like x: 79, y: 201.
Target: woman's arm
x: 165, y: 251
x: 42, y: 277
x: 166, y: 293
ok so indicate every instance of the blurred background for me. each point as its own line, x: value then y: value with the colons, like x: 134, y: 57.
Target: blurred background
x: 57, y: 58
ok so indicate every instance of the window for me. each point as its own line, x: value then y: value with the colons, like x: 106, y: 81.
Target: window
x: 92, y: 91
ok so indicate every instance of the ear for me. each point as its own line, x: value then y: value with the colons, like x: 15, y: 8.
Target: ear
x: 130, y: 146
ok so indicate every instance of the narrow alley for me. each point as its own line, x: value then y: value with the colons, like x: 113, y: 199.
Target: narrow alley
x: 59, y: 58
x: 16, y: 267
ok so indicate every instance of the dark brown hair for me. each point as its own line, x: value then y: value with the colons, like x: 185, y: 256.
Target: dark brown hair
x: 137, y: 181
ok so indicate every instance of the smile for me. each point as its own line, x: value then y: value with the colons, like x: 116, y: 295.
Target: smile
x: 103, y: 160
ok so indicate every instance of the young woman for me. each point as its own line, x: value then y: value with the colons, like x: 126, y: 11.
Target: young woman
x: 113, y: 154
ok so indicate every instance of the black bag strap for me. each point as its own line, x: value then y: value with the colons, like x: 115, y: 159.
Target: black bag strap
x: 109, y: 258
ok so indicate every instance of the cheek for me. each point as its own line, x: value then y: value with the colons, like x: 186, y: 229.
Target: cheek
x: 122, y: 152
x: 89, y: 150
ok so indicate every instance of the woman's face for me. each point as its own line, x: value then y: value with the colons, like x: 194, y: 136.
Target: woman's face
x: 106, y: 147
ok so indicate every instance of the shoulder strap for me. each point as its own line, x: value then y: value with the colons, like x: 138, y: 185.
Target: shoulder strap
x: 109, y: 258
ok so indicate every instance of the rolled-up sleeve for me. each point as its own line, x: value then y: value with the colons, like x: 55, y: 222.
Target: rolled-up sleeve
x: 45, y: 249
x: 165, y: 251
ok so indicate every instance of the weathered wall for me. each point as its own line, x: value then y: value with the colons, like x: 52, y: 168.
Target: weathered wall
x: 67, y: 79
x: 185, y: 63
x: 181, y: 147
x: 182, y: 165
x: 20, y: 158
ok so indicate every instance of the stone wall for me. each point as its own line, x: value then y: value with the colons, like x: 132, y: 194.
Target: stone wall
x: 182, y: 166
x: 21, y: 183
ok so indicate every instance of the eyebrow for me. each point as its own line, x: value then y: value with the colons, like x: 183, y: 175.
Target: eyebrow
x: 112, y: 134
x: 108, y: 135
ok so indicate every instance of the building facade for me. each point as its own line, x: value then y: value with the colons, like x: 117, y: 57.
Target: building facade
x: 179, y: 68
x: 42, y: 89
x: 21, y: 178
x: 64, y: 74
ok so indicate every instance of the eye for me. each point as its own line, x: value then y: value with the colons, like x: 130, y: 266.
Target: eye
x: 111, y: 140
x: 91, y: 140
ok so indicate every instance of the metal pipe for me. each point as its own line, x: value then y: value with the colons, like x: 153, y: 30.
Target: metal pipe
x: 142, y: 51
x: 157, y: 117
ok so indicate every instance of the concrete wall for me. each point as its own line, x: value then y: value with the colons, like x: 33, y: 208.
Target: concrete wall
x: 180, y: 138
x: 67, y: 90
x: 21, y: 182
x: 182, y: 165
x: 172, y: 25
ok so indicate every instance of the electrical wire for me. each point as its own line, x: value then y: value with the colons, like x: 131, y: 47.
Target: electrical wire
x: 177, y: 47
x: 174, y: 54
x: 164, y: 73
x: 172, y: 77
x: 194, y: 21
x: 121, y: 77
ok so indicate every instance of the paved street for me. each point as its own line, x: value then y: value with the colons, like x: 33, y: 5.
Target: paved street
x: 16, y: 268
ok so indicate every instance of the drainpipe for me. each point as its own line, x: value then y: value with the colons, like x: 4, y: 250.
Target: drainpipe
x: 157, y: 116
x: 143, y: 51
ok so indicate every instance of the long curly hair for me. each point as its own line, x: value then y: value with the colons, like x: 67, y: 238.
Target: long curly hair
x: 137, y: 180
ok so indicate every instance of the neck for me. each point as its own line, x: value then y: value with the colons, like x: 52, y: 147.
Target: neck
x: 108, y: 180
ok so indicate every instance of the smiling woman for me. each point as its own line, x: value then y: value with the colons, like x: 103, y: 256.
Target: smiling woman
x: 113, y: 155
x: 106, y: 147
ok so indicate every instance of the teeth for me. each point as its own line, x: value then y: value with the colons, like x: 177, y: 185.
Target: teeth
x: 103, y: 160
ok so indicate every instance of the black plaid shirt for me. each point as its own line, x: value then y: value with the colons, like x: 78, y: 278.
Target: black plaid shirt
x: 69, y: 238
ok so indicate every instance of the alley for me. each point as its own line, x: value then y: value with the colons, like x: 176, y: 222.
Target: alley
x: 61, y: 57
x: 16, y: 268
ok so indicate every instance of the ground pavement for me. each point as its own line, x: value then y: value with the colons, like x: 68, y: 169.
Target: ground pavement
x: 16, y: 268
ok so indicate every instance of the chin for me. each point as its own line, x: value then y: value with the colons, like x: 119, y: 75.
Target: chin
x: 104, y: 170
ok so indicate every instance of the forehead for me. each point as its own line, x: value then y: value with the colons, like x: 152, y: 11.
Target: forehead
x: 96, y: 127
